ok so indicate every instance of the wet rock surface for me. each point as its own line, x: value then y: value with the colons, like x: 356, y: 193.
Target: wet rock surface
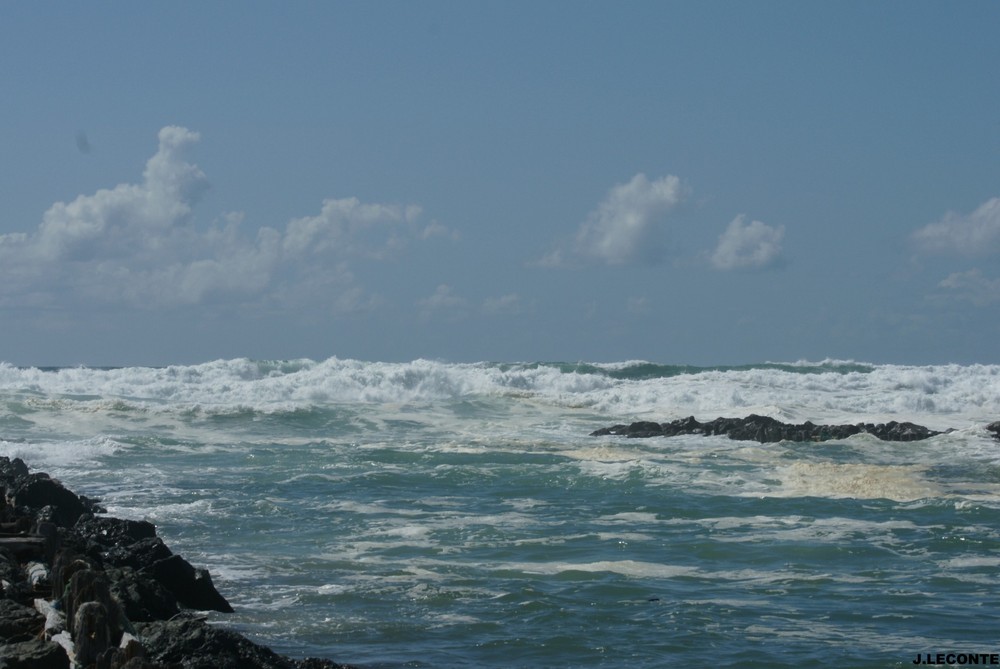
x: 765, y: 429
x: 81, y: 589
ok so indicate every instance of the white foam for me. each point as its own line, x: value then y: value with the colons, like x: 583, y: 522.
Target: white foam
x: 632, y: 568
x: 58, y: 455
x: 939, y: 396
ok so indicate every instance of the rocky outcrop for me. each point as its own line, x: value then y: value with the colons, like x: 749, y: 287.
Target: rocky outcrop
x: 79, y: 588
x: 994, y: 429
x: 765, y: 429
x: 194, y: 645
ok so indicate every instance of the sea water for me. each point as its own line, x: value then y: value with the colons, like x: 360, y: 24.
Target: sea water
x: 427, y: 514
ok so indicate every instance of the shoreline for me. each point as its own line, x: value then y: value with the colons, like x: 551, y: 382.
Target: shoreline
x: 84, y: 589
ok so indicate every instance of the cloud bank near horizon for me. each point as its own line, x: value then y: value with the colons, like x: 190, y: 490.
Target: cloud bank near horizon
x: 137, y: 245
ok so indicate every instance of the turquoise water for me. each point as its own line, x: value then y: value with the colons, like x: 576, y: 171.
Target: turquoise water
x: 435, y: 515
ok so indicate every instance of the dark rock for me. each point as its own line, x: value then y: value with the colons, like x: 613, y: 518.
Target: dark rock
x: 66, y: 563
x: 19, y: 622
x: 37, y: 491
x: 114, y: 531
x: 92, y: 633
x: 614, y: 430
x: 192, y: 587
x: 137, y: 663
x: 765, y: 429
x: 10, y: 568
x: 132, y: 655
x: 36, y: 654
x: 645, y: 429
x: 85, y: 587
x: 195, y: 644
x: 995, y: 429
x: 108, y: 576
x: 142, y: 599
x: 140, y: 554
x: 315, y: 663
x: 893, y: 431
x: 12, y: 470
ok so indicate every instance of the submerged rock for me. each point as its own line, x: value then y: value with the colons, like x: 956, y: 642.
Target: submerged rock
x: 765, y: 429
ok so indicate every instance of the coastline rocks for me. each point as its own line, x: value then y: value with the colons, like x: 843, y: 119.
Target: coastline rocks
x: 19, y: 622
x: 194, y: 645
x: 76, y: 588
x: 995, y: 429
x: 36, y: 654
x: 765, y: 429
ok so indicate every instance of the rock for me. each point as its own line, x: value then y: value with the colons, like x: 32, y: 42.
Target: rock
x: 893, y: 431
x: 19, y: 622
x: 37, y: 491
x: 142, y: 599
x: 36, y: 654
x: 192, y: 587
x: 138, y: 555
x: 92, y: 633
x: 195, y: 644
x: 131, y: 654
x: 10, y: 568
x: 995, y: 429
x: 114, y: 531
x: 111, y: 577
x: 12, y: 470
x: 315, y: 663
x: 89, y: 586
x: 66, y: 563
x: 765, y: 429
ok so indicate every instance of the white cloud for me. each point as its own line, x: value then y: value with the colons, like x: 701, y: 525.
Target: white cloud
x: 504, y: 305
x: 129, y: 218
x: 743, y: 246
x: 350, y: 226
x: 443, y: 298
x: 136, y: 244
x: 977, y: 233
x: 627, y: 225
x: 972, y: 287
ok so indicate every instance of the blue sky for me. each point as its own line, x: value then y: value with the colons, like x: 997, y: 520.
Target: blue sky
x: 682, y: 182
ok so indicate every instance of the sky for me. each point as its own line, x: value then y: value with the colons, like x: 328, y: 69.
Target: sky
x: 707, y: 183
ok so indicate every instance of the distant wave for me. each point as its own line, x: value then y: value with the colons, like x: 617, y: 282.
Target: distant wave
x: 830, y: 390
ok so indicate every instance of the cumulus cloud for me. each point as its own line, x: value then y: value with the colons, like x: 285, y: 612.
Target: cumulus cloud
x: 748, y: 246
x: 443, y: 298
x: 972, y: 234
x: 627, y: 226
x: 504, y: 305
x: 972, y: 286
x: 349, y: 226
x: 136, y: 244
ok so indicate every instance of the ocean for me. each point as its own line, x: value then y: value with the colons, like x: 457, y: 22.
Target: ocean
x: 432, y: 514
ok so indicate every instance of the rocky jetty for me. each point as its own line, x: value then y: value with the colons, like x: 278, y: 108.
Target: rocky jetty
x: 82, y: 589
x: 765, y: 429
